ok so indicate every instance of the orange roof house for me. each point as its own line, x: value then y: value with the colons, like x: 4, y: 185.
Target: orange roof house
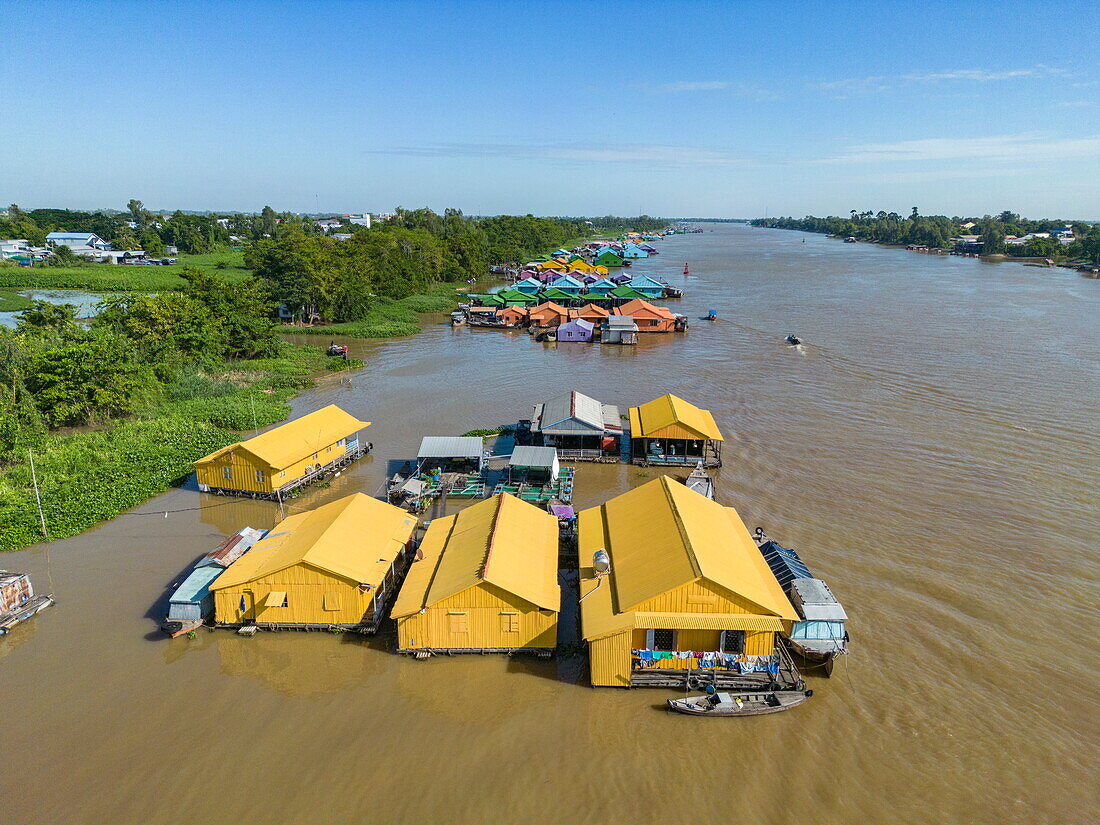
x: 513, y: 316
x: 548, y: 314
x: 590, y: 312
x: 649, y: 317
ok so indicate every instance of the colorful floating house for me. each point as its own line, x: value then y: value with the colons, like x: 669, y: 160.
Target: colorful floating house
x: 632, y: 250
x: 604, y: 286
x: 619, y: 329
x: 649, y: 317
x: 548, y: 314
x: 281, y: 460
x: 579, y: 427
x: 334, y: 566
x: 577, y: 330
x: 647, y: 286
x: 670, y: 430
x: 608, y: 258
x: 451, y: 453
x: 529, y: 286
x: 688, y: 598
x: 513, y: 316
x: 590, y: 312
x: 485, y: 581
x: 568, y: 285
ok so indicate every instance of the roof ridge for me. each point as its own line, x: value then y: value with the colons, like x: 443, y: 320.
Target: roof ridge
x: 680, y: 528
x: 492, y: 537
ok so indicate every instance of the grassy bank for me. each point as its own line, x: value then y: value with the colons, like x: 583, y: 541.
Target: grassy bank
x: 11, y: 302
x: 390, y: 318
x: 121, y: 278
x: 88, y: 477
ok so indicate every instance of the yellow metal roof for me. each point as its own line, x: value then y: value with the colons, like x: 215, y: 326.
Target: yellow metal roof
x: 503, y: 541
x: 356, y: 537
x: 661, y: 536
x: 672, y: 417
x: 295, y: 440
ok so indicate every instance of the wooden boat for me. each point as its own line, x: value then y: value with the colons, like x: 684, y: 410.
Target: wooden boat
x: 699, y: 481
x: 740, y: 704
x: 17, y: 600
x: 793, y: 340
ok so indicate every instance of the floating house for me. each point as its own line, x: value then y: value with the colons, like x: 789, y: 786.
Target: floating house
x: 604, y: 286
x: 624, y: 292
x: 552, y: 264
x: 548, y: 314
x: 670, y: 430
x: 485, y: 581
x: 533, y: 465
x: 607, y: 258
x: 649, y: 317
x: 674, y: 591
x: 578, y: 427
x: 334, y: 566
x: 577, y: 330
x: 590, y: 312
x: 568, y: 285
x: 451, y: 454
x: 529, y: 286
x: 647, y: 286
x: 619, y: 329
x: 631, y: 250
x: 514, y: 297
x: 513, y: 316
x: 281, y: 460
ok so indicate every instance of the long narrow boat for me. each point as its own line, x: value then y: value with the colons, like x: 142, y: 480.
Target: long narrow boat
x: 17, y: 600
x: 191, y: 602
x: 740, y: 704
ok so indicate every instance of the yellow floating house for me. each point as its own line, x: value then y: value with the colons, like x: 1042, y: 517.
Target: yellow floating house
x: 670, y: 430
x: 686, y: 596
x: 485, y: 581
x: 274, y: 463
x: 334, y: 566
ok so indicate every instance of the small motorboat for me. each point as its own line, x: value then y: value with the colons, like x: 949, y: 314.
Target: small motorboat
x: 712, y: 315
x: 740, y: 704
x: 700, y: 482
x: 793, y: 340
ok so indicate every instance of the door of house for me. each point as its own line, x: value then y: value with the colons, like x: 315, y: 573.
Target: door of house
x: 248, y: 607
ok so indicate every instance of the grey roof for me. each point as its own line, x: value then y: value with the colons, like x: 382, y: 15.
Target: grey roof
x: 533, y: 457
x: 623, y: 322
x: 450, y: 446
x: 571, y: 414
x: 816, y: 601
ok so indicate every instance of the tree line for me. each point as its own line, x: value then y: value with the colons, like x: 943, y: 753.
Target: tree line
x: 936, y: 231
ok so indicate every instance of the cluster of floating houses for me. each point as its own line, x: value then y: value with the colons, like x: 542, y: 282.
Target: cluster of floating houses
x: 671, y: 586
x: 571, y: 296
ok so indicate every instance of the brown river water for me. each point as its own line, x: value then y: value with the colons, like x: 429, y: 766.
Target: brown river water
x: 932, y: 454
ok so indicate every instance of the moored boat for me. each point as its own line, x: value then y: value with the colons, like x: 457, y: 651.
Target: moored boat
x: 18, y: 601
x: 821, y: 635
x: 700, y: 481
x: 740, y: 704
x: 191, y: 602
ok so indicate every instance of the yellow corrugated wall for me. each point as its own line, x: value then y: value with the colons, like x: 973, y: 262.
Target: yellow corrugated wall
x: 480, y: 609
x: 244, y: 466
x: 609, y: 660
x: 699, y: 596
x: 305, y: 587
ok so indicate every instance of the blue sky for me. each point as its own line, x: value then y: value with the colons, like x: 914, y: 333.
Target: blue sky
x: 717, y: 109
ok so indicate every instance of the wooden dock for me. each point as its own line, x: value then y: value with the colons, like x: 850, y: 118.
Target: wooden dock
x: 561, y: 489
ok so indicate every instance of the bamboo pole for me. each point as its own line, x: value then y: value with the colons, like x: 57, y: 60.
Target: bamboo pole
x: 37, y: 496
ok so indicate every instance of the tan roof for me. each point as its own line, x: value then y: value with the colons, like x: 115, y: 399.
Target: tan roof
x: 661, y: 536
x: 503, y: 541
x: 356, y: 537
x: 295, y: 440
x: 638, y: 306
x: 672, y: 417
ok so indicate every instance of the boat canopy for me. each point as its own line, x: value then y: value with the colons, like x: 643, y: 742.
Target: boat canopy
x: 785, y: 563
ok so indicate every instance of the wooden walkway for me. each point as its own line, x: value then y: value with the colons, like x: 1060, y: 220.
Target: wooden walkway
x: 561, y: 489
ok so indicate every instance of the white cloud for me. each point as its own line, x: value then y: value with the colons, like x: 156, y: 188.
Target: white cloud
x: 997, y: 148
x: 875, y: 83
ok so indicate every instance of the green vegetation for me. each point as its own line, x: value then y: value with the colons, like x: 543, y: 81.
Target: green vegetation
x: 936, y: 231
x: 501, y: 430
x: 156, y: 382
x: 11, y: 302
x: 396, y: 318
x: 124, y: 278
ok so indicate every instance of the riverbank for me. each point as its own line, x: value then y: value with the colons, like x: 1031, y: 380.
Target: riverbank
x: 394, y: 317
x: 89, y: 476
x: 122, y: 277
x: 13, y: 302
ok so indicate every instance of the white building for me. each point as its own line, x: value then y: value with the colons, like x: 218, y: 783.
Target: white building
x: 75, y: 240
x: 358, y: 220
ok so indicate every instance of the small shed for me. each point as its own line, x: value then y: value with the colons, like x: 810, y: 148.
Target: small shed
x: 670, y: 430
x: 533, y: 465
x: 578, y: 330
x: 451, y: 453
x: 619, y: 329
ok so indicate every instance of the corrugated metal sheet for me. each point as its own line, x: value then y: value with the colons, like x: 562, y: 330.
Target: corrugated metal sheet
x: 356, y: 537
x: 502, y: 541
x: 196, y: 586
x: 707, y: 621
x: 450, y: 446
x: 571, y: 414
x: 672, y: 417
x: 295, y: 440
x: 785, y: 563
x: 533, y: 457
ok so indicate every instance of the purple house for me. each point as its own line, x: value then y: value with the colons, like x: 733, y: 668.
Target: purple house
x: 579, y: 330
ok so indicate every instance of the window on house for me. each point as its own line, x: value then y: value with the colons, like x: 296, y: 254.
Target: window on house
x: 259, y: 476
x: 732, y: 641
x: 457, y: 622
x: 227, y: 473
x: 509, y: 622
x: 331, y: 600
x: 662, y: 640
x: 341, y: 442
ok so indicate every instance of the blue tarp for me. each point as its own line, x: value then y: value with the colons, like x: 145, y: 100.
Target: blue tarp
x: 785, y: 563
